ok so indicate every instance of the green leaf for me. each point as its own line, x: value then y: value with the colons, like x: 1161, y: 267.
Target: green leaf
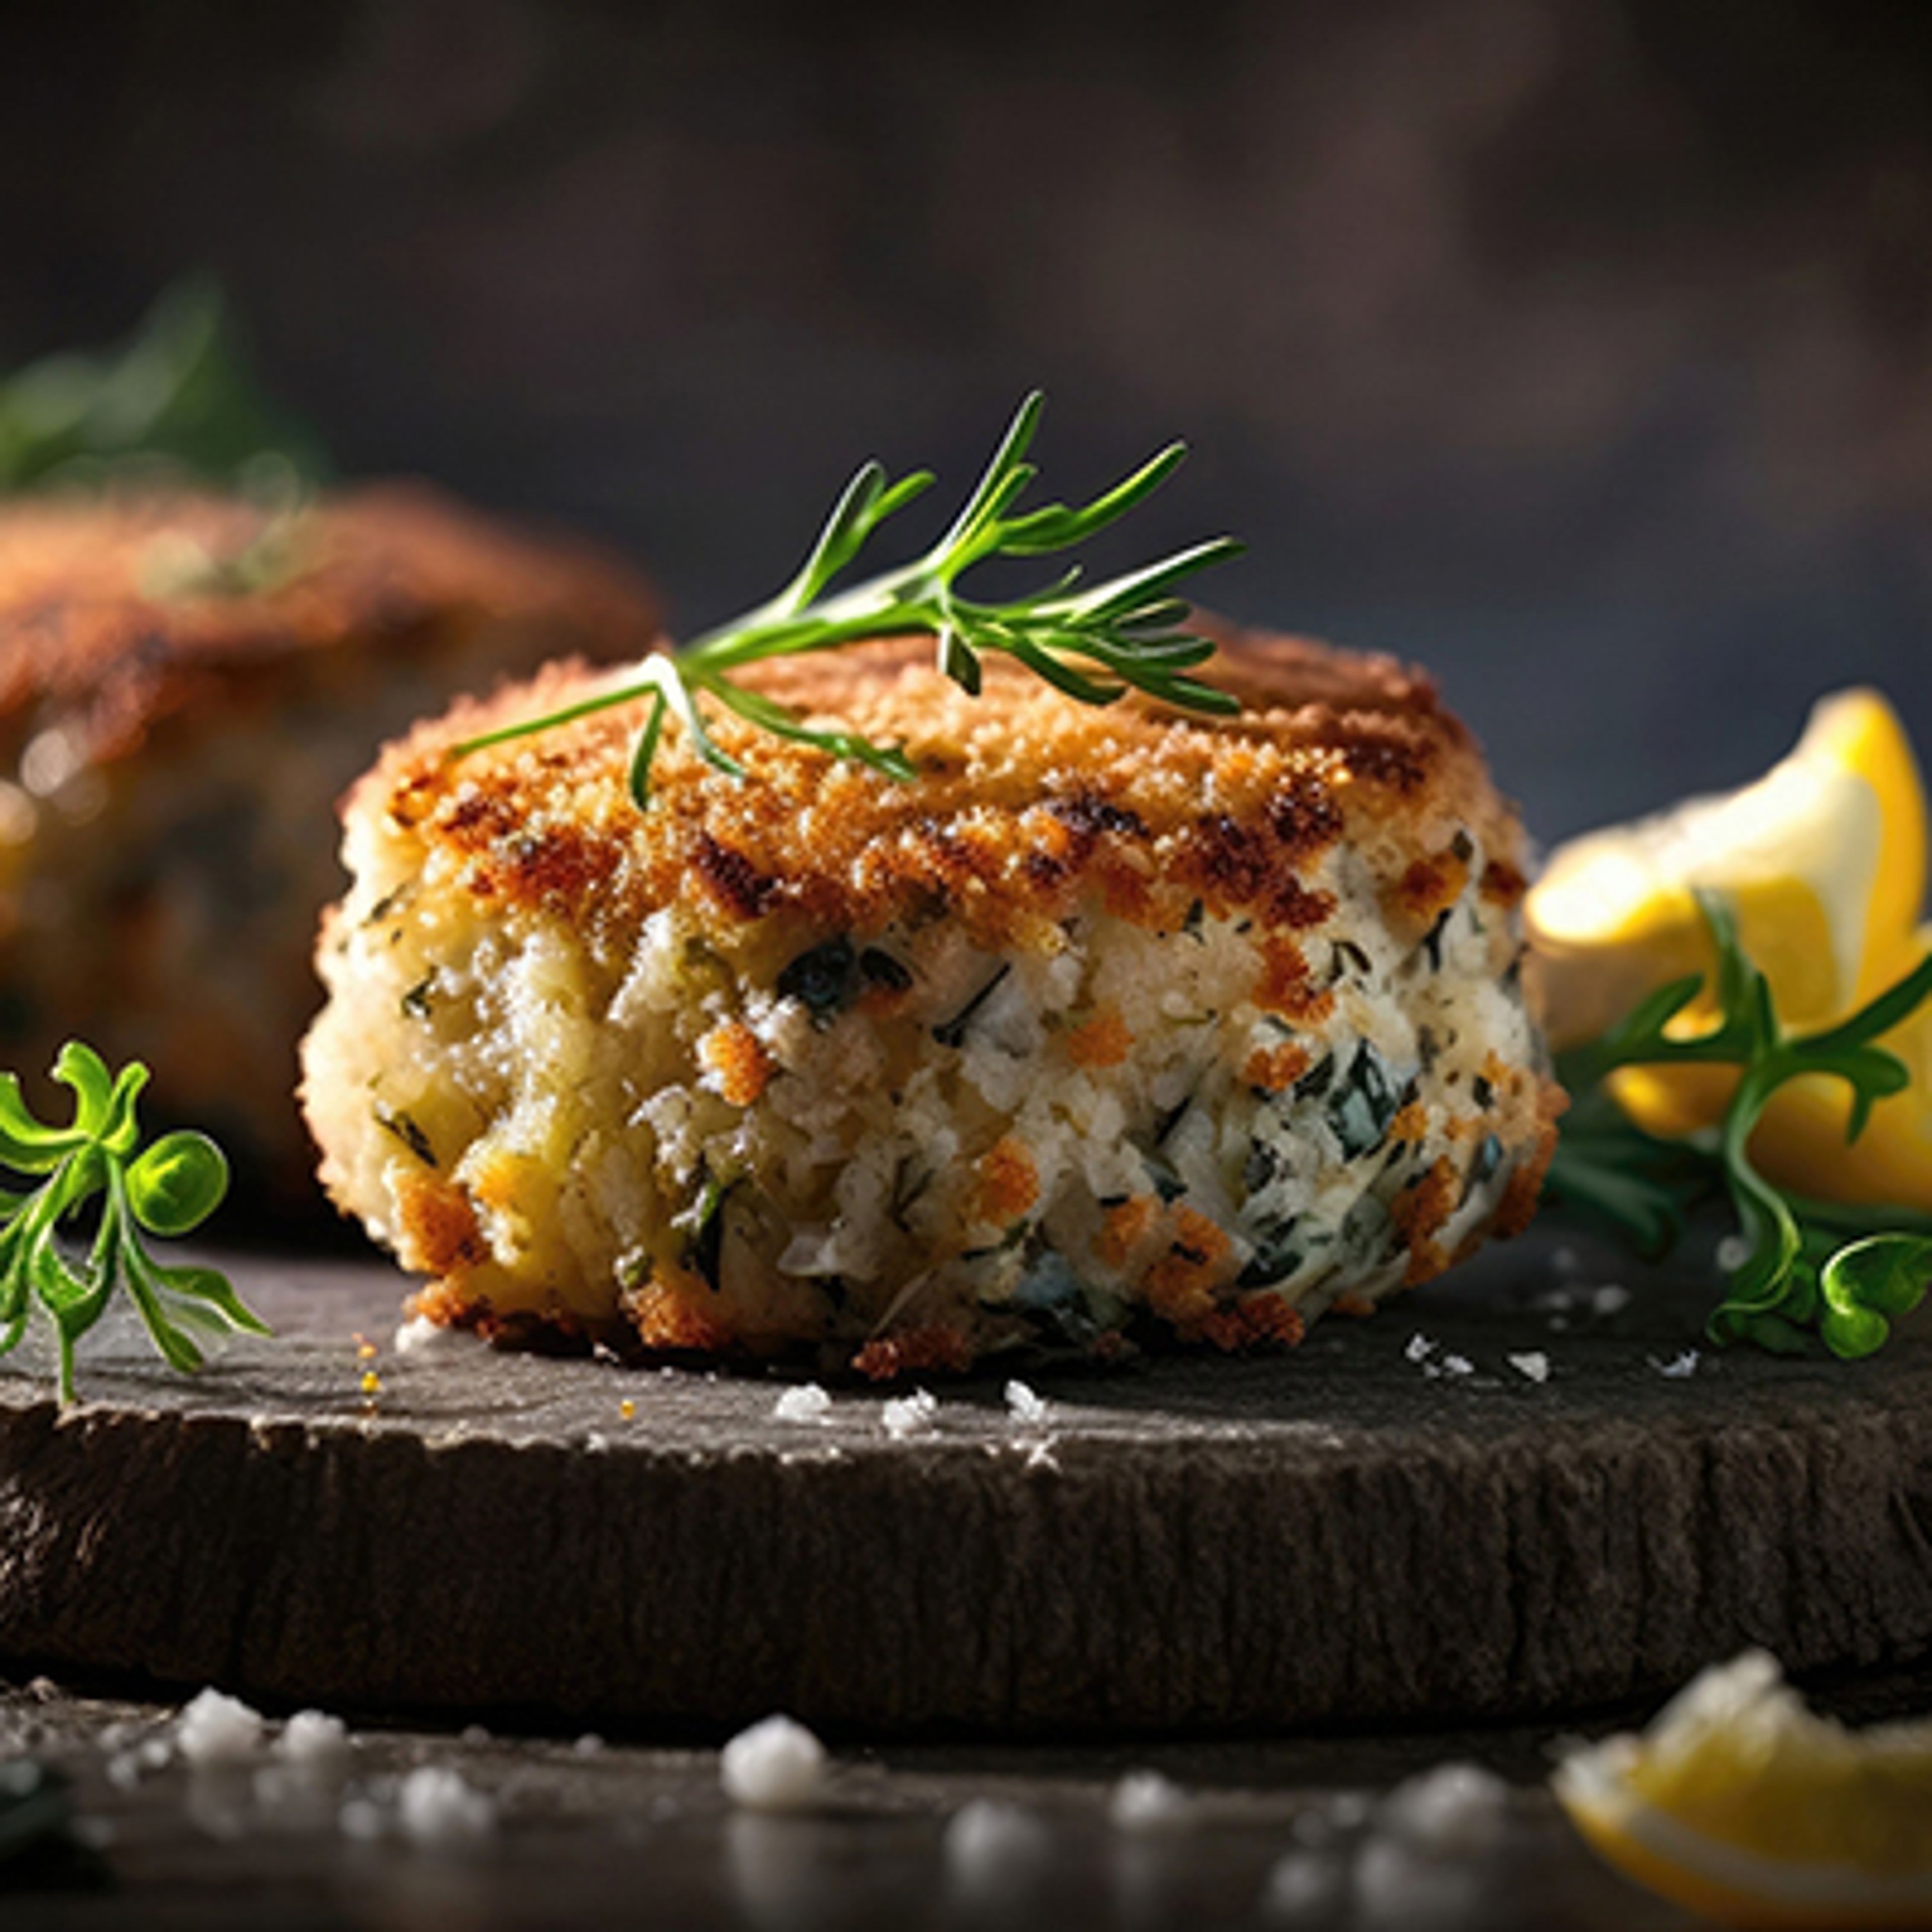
x: 1887, y: 1272
x: 180, y: 1181
x: 210, y: 1287
x: 25, y: 1145
x: 1802, y: 1282
x: 79, y: 1067
x: 168, y: 1189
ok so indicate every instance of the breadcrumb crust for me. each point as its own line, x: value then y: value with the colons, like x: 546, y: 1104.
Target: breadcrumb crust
x: 1024, y: 802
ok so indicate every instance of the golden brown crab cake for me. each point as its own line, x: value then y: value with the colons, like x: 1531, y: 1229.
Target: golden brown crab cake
x: 187, y: 685
x: 1113, y: 1019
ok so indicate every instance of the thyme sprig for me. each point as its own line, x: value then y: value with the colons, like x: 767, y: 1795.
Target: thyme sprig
x: 168, y: 1189
x: 1094, y: 643
x: 1838, y: 1273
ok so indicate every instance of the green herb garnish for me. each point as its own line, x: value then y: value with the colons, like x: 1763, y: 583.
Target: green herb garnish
x: 1094, y: 643
x: 177, y: 396
x: 169, y: 1188
x: 1828, y: 1270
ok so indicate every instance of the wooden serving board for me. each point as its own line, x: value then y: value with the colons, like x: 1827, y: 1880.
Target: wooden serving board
x: 1358, y: 1531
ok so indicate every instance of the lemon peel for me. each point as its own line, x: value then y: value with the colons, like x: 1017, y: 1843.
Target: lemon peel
x: 1742, y: 1804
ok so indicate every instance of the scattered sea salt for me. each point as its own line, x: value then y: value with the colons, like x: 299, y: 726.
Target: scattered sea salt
x: 1397, y: 1887
x: 154, y: 1753
x: 909, y: 1415
x: 1563, y: 1261
x: 588, y: 1745
x: 1026, y: 1406
x: 1419, y: 1347
x: 1612, y: 1298
x: 1145, y: 1800
x: 1451, y: 1811
x: 124, y: 1770
x: 1310, y: 1886
x: 775, y: 1765
x: 216, y: 1729
x: 361, y: 1819
x: 474, y: 1737
x: 1040, y: 1456
x: 437, y: 1806
x: 808, y: 1402
x: 1535, y: 1365
x: 1458, y: 1365
x: 988, y: 1843
x: 1733, y: 1251
x: 1678, y: 1367
x: 421, y: 1336
x: 314, y: 1737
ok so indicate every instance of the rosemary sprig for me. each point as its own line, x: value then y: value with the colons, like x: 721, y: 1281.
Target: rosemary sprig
x: 168, y: 1190
x: 1838, y: 1273
x: 1094, y: 643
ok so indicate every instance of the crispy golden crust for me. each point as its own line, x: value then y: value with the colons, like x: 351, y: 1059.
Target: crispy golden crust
x: 1025, y: 801
x: 117, y: 611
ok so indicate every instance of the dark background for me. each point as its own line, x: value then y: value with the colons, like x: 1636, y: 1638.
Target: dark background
x: 1582, y: 350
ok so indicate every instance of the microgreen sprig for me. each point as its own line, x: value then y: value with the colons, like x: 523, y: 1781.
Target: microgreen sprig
x: 169, y: 1188
x: 1095, y: 644
x: 1838, y: 1272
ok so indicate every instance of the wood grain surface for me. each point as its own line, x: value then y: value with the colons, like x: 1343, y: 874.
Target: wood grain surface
x: 1395, y: 1522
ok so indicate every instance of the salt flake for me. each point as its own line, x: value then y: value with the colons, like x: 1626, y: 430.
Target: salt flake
x: 1026, y: 1407
x: 437, y: 1805
x: 1145, y: 1800
x: 909, y: 1415
x: 775, y: 1765
x: 806, y: 1403
x: 216, y: 1729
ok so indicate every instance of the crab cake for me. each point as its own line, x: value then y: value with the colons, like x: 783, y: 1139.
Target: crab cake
x: 187, y: 685
x: 1113, y: 1024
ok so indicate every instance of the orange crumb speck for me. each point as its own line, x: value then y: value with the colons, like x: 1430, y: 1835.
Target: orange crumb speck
x: 1275, y: 1069
x: 737, y: 1062
x: 1503, y: 884
x: 627, y: 1408
x: 1009, y: 1182
x: 372, y: 1383
x: 1286, y: 986
x: 1431, y: 885
x: 1180, y: 1286
x: 1124, y: 1228
x: 921, y: 1350
x: 1104, y: 1041
x: 1256, y: 1322
x: 667, y: 1315
x: 1418, y: 1212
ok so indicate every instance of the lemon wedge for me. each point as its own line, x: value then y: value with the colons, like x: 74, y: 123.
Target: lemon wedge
x: 1822, y: 861
x: 1740, y: 1804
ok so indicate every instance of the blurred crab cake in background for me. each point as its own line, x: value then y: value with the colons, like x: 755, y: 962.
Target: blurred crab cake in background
x: 1111, y: 1023
x: 187, y: 683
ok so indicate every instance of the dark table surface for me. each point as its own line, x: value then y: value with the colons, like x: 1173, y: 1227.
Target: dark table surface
x: 634, y: 1827
x: 637, y: 1831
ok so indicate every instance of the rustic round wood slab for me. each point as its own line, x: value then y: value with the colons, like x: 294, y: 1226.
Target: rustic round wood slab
x: 1396, y: 1521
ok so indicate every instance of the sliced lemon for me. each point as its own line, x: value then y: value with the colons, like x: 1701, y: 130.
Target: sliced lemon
x: 1740, y: 1804
x: 1822, y: 861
